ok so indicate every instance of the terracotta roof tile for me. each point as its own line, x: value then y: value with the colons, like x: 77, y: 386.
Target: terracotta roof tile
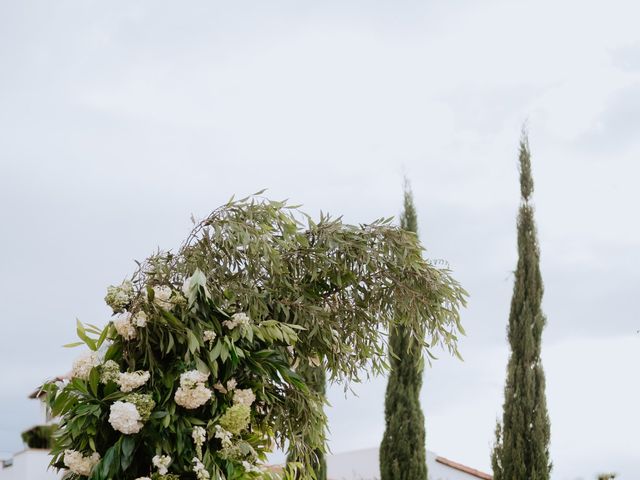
x: 464, y: 468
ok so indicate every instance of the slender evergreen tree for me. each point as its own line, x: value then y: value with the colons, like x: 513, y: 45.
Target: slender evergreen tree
x: 402, y: 451
x: 521, y: 450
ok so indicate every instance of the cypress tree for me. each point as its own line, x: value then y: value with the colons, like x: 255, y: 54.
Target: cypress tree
x: 521, y: 450
x: 403, y: 451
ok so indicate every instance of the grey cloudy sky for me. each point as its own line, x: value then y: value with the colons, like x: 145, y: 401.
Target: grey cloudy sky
x: 120, y: 119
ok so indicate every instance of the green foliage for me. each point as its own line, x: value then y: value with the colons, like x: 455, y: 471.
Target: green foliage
x: 524, y: 164
x: 39, y: 436
x: 316, y: 379
x: 522, y: 440
x: 403, y: 450
x: 252, y: 297
x: 342, y: 283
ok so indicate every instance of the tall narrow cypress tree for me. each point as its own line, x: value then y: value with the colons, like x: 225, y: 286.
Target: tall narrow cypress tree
x: 403, y: 451
x: 521, y: 450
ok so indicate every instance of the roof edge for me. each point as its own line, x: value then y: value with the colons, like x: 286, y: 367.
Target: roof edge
x: 464, y: 468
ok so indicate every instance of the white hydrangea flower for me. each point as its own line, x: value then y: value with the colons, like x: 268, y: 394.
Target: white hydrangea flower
x: 192, y: 392
x: 193, y: 397
x: 125, y: 418
x: 232, y: 384
x: 199, y: 435
x: 209, y: 336
x: 129, y: 381
x: 244, y: 397
x: 161, y: 462
x: 80, y: 464
x: 223, y: 435
x: 191, y: 378
x: 139, y: 319
x: 82, y: 366
x: 124, y: 327
x: 237, y: 319
x: 199, y: 470
x: 162, y: 297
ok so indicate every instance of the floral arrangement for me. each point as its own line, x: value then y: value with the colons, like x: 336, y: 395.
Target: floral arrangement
x: 173, y: 366
x: 200, y: 372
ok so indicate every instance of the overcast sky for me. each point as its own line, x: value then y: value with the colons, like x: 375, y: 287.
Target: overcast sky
x: 120, y: 119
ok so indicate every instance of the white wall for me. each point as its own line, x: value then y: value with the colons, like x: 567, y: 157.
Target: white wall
x: 30, y: 464
x: 364, y: 465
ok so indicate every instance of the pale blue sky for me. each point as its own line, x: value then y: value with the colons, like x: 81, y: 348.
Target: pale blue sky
x: 120, y: 119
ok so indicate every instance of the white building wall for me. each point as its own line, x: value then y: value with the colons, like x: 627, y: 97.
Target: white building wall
x: 31, y: 464
x: 364, y: 465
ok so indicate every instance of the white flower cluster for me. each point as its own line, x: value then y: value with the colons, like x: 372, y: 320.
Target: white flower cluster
x: 192, y: 393
x: 82, y: 366
x: 199, y: 470
x: 79, y: 463
x: 125, y: 324
x: 209, y: 336
x: 109, y: 371
x: 162, y: 297
x: 244, y: 397
x: 125, y: 418
x: 139, y: 319
x: 118, y: 297
x: 237, y: 319
x: 124, y: 327
x: 161, y: 462
x: 199, y: 435
x: 223, y: 435
x: 129, y: 381
x: 192, y: 378
x: 143, y: 478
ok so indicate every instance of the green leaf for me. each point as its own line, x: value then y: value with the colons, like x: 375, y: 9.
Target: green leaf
x: 128, y: 447
x: 84, y: 337
x: 94, y: 380
x: 202, y: 366
x: 194, y: 344
x: 224, y: 353
x: 215, y: 352
x: 103, y: 336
